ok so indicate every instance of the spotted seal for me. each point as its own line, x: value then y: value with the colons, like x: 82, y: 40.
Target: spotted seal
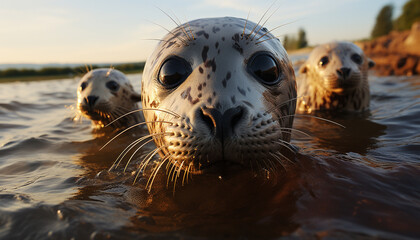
x: 224, y: 91
x: 335, y: 77
x: 104, y: 95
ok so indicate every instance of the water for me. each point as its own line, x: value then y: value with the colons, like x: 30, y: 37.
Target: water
x: 361, y: 181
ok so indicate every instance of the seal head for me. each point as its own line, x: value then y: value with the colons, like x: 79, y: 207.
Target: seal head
x: 106, y: 94
x: 334, y: 77
x: 228, y: 96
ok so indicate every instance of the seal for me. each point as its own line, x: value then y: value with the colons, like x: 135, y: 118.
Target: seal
x: 335, y: 77
x: 224, y: 94
x: 104, y: 95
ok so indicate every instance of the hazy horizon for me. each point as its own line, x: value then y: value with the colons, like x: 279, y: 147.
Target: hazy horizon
x: 84, y: 32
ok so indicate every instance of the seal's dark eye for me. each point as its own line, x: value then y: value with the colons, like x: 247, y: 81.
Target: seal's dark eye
x: 264, y: 67
x: 324, y: 61
x: 83, y: 85
x: 173, y: 72
x: 357, y: 58
x: 112, y: 85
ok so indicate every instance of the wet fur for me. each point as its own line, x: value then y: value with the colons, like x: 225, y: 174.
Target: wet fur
x: 321, y: 88
x: 110, y: 104
x: 218, y: 50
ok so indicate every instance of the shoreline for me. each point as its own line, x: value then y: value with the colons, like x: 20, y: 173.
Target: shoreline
x: 301, y: 51
x: 47, y: 77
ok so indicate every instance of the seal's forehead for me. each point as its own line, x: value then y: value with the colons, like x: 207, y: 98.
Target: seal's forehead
x: 211, y: 26
x: 105, y: 74
x: 339, y: 48
x: 192, y: 36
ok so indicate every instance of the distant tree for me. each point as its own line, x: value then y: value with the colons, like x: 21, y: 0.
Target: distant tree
x: 383, y: 23
x: 409, y: 15
x: 301, y: 41
x: 285, y: 41
x: 290, y: 42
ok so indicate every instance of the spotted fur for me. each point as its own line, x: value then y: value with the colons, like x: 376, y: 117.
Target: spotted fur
x: 218, y: 53
x: 103, y: 105
x: 326, y: 88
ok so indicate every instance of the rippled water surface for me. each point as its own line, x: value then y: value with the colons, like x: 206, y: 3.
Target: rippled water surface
x: 362, y: 181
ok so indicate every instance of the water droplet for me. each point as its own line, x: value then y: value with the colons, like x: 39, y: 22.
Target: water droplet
x: 60, y: 215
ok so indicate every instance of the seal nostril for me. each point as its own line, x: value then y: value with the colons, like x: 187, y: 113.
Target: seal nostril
x: 344, y: 72
x: 90, y: 100
x: 222, y: 126
x: 212, y: 119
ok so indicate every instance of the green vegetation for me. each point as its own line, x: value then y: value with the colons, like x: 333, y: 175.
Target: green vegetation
x: 383, y: 23
x: 409, y: 15
x: 13, y: 74
x: 293, y: 43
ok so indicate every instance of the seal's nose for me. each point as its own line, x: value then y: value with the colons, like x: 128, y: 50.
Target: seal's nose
x: 344, y: 72
x: 90, y: 100
x: 221, y: 125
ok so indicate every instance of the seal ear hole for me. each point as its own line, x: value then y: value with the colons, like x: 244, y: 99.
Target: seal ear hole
x: 112, y: 85
x: 83, y: 85
x: 357, y: 58
x: 324, y: 61
x: 303, y: 69
x: 173, y: 72
x: 264, y: 67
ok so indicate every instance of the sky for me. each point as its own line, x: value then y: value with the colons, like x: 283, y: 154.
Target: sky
x: 110, y: 31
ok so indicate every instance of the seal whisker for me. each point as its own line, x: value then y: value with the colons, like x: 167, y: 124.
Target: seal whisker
x: 145, y: 109
x: 124, y: 152
x: 170, y: 32
x: 246, y: 21
x: 297, y: 130
x: 286, y: 145
x: 133, y: 126
x: 87, y: 68
x: 282, y: 25
x: 273, y: 166
x: 260, y: 20
x: 183, y: 29
x: 154, y: 173
x: 177, y: 175
x: 145, y: 162
x: 173, y: 165
x: 285, y: 158
x: 174, y: 172
x: 149, y: 157
x: 131, y: 146
x: 262, y: 25
x: 278, y: 160
x: 189, y: 28
x: 187, y: 23
x: 183, y: 178
x: 161, y: 40
x: 269, y: 166
x: 134, y: 153
x: 319, y: 118
x: 188, y: 170
x: 274, y: 37
x: 283, y: 103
